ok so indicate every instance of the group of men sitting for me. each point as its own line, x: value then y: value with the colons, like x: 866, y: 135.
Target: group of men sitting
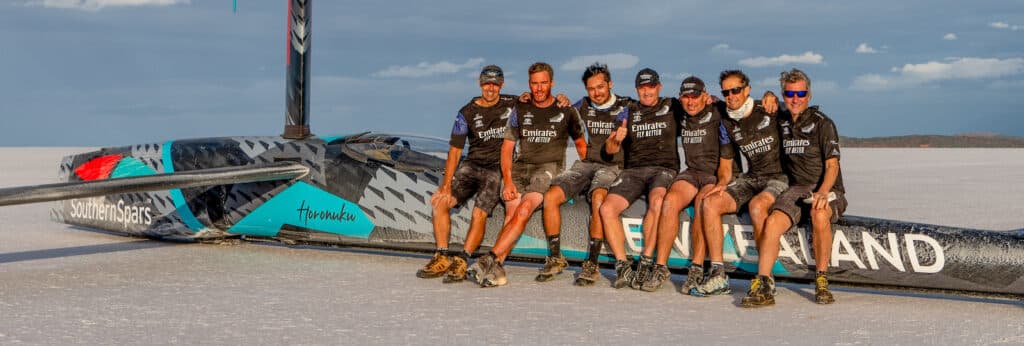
x: 629, y: 148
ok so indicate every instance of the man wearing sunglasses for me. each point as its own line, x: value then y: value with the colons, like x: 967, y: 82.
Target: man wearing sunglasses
x: 811, y: 160
x: 755, y: 133
x: 647, y: 136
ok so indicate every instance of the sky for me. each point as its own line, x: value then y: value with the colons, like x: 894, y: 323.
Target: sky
x: 120, y: 72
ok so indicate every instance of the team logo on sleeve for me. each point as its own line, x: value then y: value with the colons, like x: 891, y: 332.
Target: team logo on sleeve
x: 508, y: 112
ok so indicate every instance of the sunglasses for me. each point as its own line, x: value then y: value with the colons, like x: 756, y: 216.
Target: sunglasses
x: 736, y: 90
x: 791, y: 93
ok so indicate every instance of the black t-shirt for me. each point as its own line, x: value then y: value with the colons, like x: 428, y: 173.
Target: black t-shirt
x: 807, y: 144
x: 542, y: 133
x: 599, y: 124
x: 757, y: 137
x: 705, y: 140
x: 651, y: 140
x: 484, y: 127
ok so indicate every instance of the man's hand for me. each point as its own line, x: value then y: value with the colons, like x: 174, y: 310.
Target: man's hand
x: 770, y: 102
x: 525, y: 97
x: 715, y: 190
x: 820, y: 200
x: 443, y: 197
x: 712, y: 99
x: 620, y: 133
x: 563, y: 101
x: 509, y: 192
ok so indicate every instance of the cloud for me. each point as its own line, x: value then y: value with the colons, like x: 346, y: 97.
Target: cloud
x: 949, y: 37
x: 426, y: 69
x: 1005, y: 26
x: 614, y: 61
x: 725, y: 49
x: 951, y: 69
x: 785, y: 59
x: 864, y: 48
x: 96, y: 5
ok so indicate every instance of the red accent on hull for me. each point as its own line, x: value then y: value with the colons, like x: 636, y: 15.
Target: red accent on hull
x: 98, y: 168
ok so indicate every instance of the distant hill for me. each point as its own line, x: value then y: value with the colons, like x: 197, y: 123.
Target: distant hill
x: 980, y: 140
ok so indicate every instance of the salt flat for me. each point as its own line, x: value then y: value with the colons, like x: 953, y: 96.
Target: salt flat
x: 60, y: 284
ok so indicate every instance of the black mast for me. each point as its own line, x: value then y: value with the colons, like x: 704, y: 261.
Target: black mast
x: 297, y: 98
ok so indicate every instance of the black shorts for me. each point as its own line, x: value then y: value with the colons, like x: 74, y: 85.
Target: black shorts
x: 472, y: 179
x: 696, y: 178
x: 587, y: 176
x: 744, y: 187
x: 533, y: 177
x: 791, y: 203
x: 635, y: 182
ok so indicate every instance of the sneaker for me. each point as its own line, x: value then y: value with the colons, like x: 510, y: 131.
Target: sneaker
x: 552, y: 266
x: 477, y: 270
x: 643, y: 271
x: 495, y: 276
x: 822, y: 295
x: 456, y: 271
x: 436, y: 267
x: 762, y: 292
x: 624, y: 273
x: 588, y: 274
x: 713, y: 285
x: 659, y: 275
x: 693, y: 278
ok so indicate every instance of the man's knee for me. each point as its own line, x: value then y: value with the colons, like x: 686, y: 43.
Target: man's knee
x: 820, y: 217
x: 759, y: 205
x: 554, y: 196
x: 672, y: 204
x: 610, y: 211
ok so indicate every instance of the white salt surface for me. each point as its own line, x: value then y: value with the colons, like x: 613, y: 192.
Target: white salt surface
x: 62, y: 285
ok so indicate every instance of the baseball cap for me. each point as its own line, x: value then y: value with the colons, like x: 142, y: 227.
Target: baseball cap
x: 492, y: 74
x: 647, y: 77
x: 691, y: 86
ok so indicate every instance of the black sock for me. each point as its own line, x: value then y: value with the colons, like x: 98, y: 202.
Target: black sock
x: 443, y: 251
x: 554, y: 245
x: 717, y: 268
x: 595, y: 249
x: 645, y: 260
x: 464, y: 254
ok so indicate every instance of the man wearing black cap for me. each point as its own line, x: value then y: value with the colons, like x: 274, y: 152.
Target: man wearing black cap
x: 647, y: 136
x: 810, y: 145
x: 540, y: 129
x: 592, y: 174
x: 756, y: 135
x: 483, y: 123
x: 709, y: 156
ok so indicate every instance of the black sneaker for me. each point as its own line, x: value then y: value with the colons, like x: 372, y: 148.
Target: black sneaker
x: 822, y: 295
x: 588, y: 274
x: 553, y: 265
x: 643, y: 270
x: 762, y: 292
x: 659, y: 275
x: 624, y: 273
x: 693, y: 278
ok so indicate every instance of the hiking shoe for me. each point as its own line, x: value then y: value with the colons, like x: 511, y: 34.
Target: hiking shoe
x: 436, y: 267
x: 762, y: 292
x: 822, y: 295
x: 456, y: 271
x: 553, y: 265
x: 658, y: 276
x: 643, y: 271
x: 624, y: 273
x: 693, y: 278
x: 588, y: 274
x: 713, y: 285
